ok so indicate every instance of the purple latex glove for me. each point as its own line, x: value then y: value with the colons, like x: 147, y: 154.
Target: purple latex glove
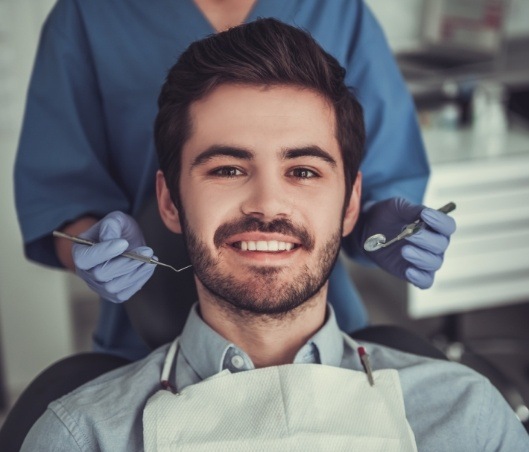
x: 114, y: 278
x: 416, y: 258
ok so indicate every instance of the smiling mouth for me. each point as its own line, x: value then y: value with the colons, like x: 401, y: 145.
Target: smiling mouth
x: 271, y: 246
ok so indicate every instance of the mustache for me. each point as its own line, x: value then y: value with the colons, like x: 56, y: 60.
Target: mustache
x: 250, y: 224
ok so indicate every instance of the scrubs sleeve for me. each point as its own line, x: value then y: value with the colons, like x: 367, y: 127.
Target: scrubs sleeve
x: 63, y: 168
x: 395, y: 161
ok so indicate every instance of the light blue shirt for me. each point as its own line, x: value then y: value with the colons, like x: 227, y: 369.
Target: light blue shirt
x: 448, y: 406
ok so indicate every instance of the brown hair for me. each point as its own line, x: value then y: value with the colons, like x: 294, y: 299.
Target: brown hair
x: 263, y: 53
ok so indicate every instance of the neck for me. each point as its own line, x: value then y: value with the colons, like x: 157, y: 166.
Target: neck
x: 268, y: 340
x: 223, y: 14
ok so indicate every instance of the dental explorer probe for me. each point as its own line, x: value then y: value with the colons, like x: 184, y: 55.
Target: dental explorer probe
x: 137, y: 257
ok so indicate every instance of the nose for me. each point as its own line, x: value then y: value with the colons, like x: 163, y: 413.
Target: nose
x: 267, y: 199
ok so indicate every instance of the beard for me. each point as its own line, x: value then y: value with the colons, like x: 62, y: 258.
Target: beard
x: 259, y: 290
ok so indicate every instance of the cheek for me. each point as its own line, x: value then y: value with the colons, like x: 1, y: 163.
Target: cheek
x: 206, y: 210
x: 327, y: 214
x: 328, y: 200
x: 329, y: 224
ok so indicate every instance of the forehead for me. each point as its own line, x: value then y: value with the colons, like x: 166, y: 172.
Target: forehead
x: 262, y: 119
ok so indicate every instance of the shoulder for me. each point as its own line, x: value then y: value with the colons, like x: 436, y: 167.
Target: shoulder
x: 117, y: 387
x: 87, y: 14
x: 416, y: 371
x: 350, y: 32
x: 110, y: 407
x: 329, y: 21
x: 450, y: 403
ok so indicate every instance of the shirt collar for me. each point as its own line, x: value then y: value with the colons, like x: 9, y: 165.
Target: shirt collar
x: 203, y: 348
x: 208, y: 353
x: 328, y: 342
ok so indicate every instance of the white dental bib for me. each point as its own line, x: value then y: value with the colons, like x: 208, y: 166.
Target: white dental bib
x: 295, y: 407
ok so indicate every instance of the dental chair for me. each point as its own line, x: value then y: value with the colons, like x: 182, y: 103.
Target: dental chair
x: 158, y: 312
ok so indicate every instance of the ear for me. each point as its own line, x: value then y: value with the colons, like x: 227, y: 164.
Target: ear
x: 353, y: 208
x: 166, y: 207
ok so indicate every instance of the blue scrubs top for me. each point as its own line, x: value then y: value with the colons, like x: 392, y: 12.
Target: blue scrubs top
x: 86, y: 145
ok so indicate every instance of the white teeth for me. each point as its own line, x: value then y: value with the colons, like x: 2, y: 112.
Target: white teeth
x: 273, y: 245
x: 262, y: 245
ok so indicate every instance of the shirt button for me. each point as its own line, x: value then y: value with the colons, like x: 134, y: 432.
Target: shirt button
x: 237, y: 361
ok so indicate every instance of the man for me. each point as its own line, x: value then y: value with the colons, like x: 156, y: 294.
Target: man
x: 259, y: 143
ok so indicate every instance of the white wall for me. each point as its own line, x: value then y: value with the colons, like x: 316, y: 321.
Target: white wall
x: 400, y: 20
x: 518, y: 18
x: 35, y: 327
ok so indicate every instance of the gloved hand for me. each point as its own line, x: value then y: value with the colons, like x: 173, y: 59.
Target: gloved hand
x: 416, y: 258
x: 114, y: 278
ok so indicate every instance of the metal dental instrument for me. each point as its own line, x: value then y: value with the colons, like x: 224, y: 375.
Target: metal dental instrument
x: 137, y: 257
x: 378, y: 241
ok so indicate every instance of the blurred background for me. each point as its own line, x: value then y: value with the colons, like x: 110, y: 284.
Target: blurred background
x: 466, y: 63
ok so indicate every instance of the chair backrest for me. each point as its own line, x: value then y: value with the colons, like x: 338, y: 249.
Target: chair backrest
x: 57, y: 380
x: 399, y: 338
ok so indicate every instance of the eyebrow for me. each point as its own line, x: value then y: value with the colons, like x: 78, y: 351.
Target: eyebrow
x: 221, y: 151
x: 309, y: 151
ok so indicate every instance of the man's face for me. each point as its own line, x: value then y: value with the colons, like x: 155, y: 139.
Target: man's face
x: 262, y: 196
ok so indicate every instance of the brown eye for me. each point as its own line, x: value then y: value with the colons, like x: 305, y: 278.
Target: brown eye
x: 226, y: 171
x: 303, y: 173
